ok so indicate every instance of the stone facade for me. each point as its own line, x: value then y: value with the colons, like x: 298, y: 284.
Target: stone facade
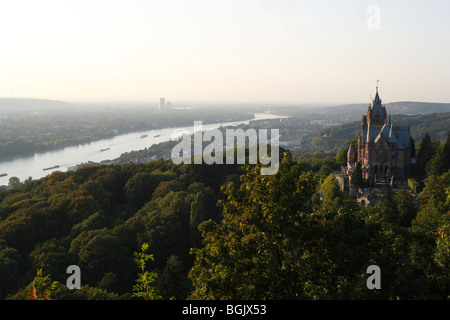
x: 384, y: 150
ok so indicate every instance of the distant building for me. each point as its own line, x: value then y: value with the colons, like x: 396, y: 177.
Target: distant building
x: 169, y: 104
x: 384, y: 150
x: 162, y: 103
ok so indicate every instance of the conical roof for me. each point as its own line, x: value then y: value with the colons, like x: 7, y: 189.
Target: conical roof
x: 377, y: 108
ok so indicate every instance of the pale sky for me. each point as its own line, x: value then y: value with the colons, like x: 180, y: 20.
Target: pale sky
x: 225, y: 50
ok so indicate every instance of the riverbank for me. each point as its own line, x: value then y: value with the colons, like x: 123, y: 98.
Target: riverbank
x: 105, y: 151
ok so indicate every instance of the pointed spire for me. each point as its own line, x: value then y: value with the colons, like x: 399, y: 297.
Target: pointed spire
x: 376, y: 107
x: 350, y: 150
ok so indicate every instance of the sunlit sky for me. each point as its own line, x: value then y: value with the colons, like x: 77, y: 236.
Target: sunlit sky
x: 225, y: 50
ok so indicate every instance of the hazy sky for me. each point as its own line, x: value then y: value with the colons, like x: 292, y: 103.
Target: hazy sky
x: 225, y: 50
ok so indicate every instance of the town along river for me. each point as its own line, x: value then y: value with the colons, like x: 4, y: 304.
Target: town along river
x: 42, y: 164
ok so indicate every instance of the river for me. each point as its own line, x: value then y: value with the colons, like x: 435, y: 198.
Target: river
x: 107, y: 149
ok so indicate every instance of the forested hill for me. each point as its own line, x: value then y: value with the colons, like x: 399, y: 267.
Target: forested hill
x: 96, y: 217
x: 436, y: 124
x: 258, y: 237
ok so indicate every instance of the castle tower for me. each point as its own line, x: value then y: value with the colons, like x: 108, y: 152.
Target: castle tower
x: 383, y: 149
x: 376, y: 112
x: 351, y: 155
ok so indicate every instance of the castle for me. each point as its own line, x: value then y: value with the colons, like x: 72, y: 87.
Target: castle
x: 384, y: 150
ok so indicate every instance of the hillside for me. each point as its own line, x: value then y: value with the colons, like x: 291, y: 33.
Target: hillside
x: 436, y: 124
x: 416, y: 108
x: 356, y: 110
x: 29, y: 104
x: 247, y: 240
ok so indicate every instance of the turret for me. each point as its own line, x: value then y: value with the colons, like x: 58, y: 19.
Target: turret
x: 351, y: 154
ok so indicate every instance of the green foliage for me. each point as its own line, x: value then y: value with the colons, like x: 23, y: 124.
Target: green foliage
x: 425, y: 154
x: 11, y: 262
x: 357, y: 179
x: 14, y: 182
x: 270, y: 237
x: 331, y: 192
x: 139, y: 189
x: 434, y: 189
x: 143, y: 287
x: 341, y: 157
x: 92, y: 218
x: 442, y: 254
x: 406, y: 209
x: 42, y: 287
x: 251, y: 253
x: 171, y: 283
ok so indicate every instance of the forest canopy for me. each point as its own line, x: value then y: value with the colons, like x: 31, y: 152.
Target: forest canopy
x: 222, y: 232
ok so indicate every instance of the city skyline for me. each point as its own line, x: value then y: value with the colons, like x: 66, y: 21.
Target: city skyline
x: 230, y: 51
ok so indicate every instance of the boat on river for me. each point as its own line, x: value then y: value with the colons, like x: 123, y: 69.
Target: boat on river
x: 54, y: 167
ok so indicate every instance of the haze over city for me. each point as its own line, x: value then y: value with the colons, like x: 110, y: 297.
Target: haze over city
x: 232, y: 51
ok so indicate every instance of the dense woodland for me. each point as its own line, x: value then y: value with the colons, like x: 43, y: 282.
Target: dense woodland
x: 224, y: 232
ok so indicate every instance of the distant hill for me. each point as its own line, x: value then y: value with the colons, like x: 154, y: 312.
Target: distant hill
x: 356, y: 110
x: 436, y: 124
x: 29, y: 104
x: 414, y: 108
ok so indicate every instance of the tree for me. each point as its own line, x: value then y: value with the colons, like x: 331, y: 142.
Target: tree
x: 42, y: 287
x: 331, y: 191
x: 341, y: 157
x: 252, y: 252
x: 357, y: 179
x: 14, y: 182
x: 100, y: 252
x: 197, y: 216
x: 10, y: 266
x: 434, y: 189
x: 429, y: 219
x: 166, y: 226
x: 52, y: 258
x: 143, y: 287
x: 425, y: 153
x: 139, y: 189
x: 446, y: 154
x: 325, y: 170
x: 437, y: 164
x: 406, y: 210
x: 412, y: 144
x: 170, y: 284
